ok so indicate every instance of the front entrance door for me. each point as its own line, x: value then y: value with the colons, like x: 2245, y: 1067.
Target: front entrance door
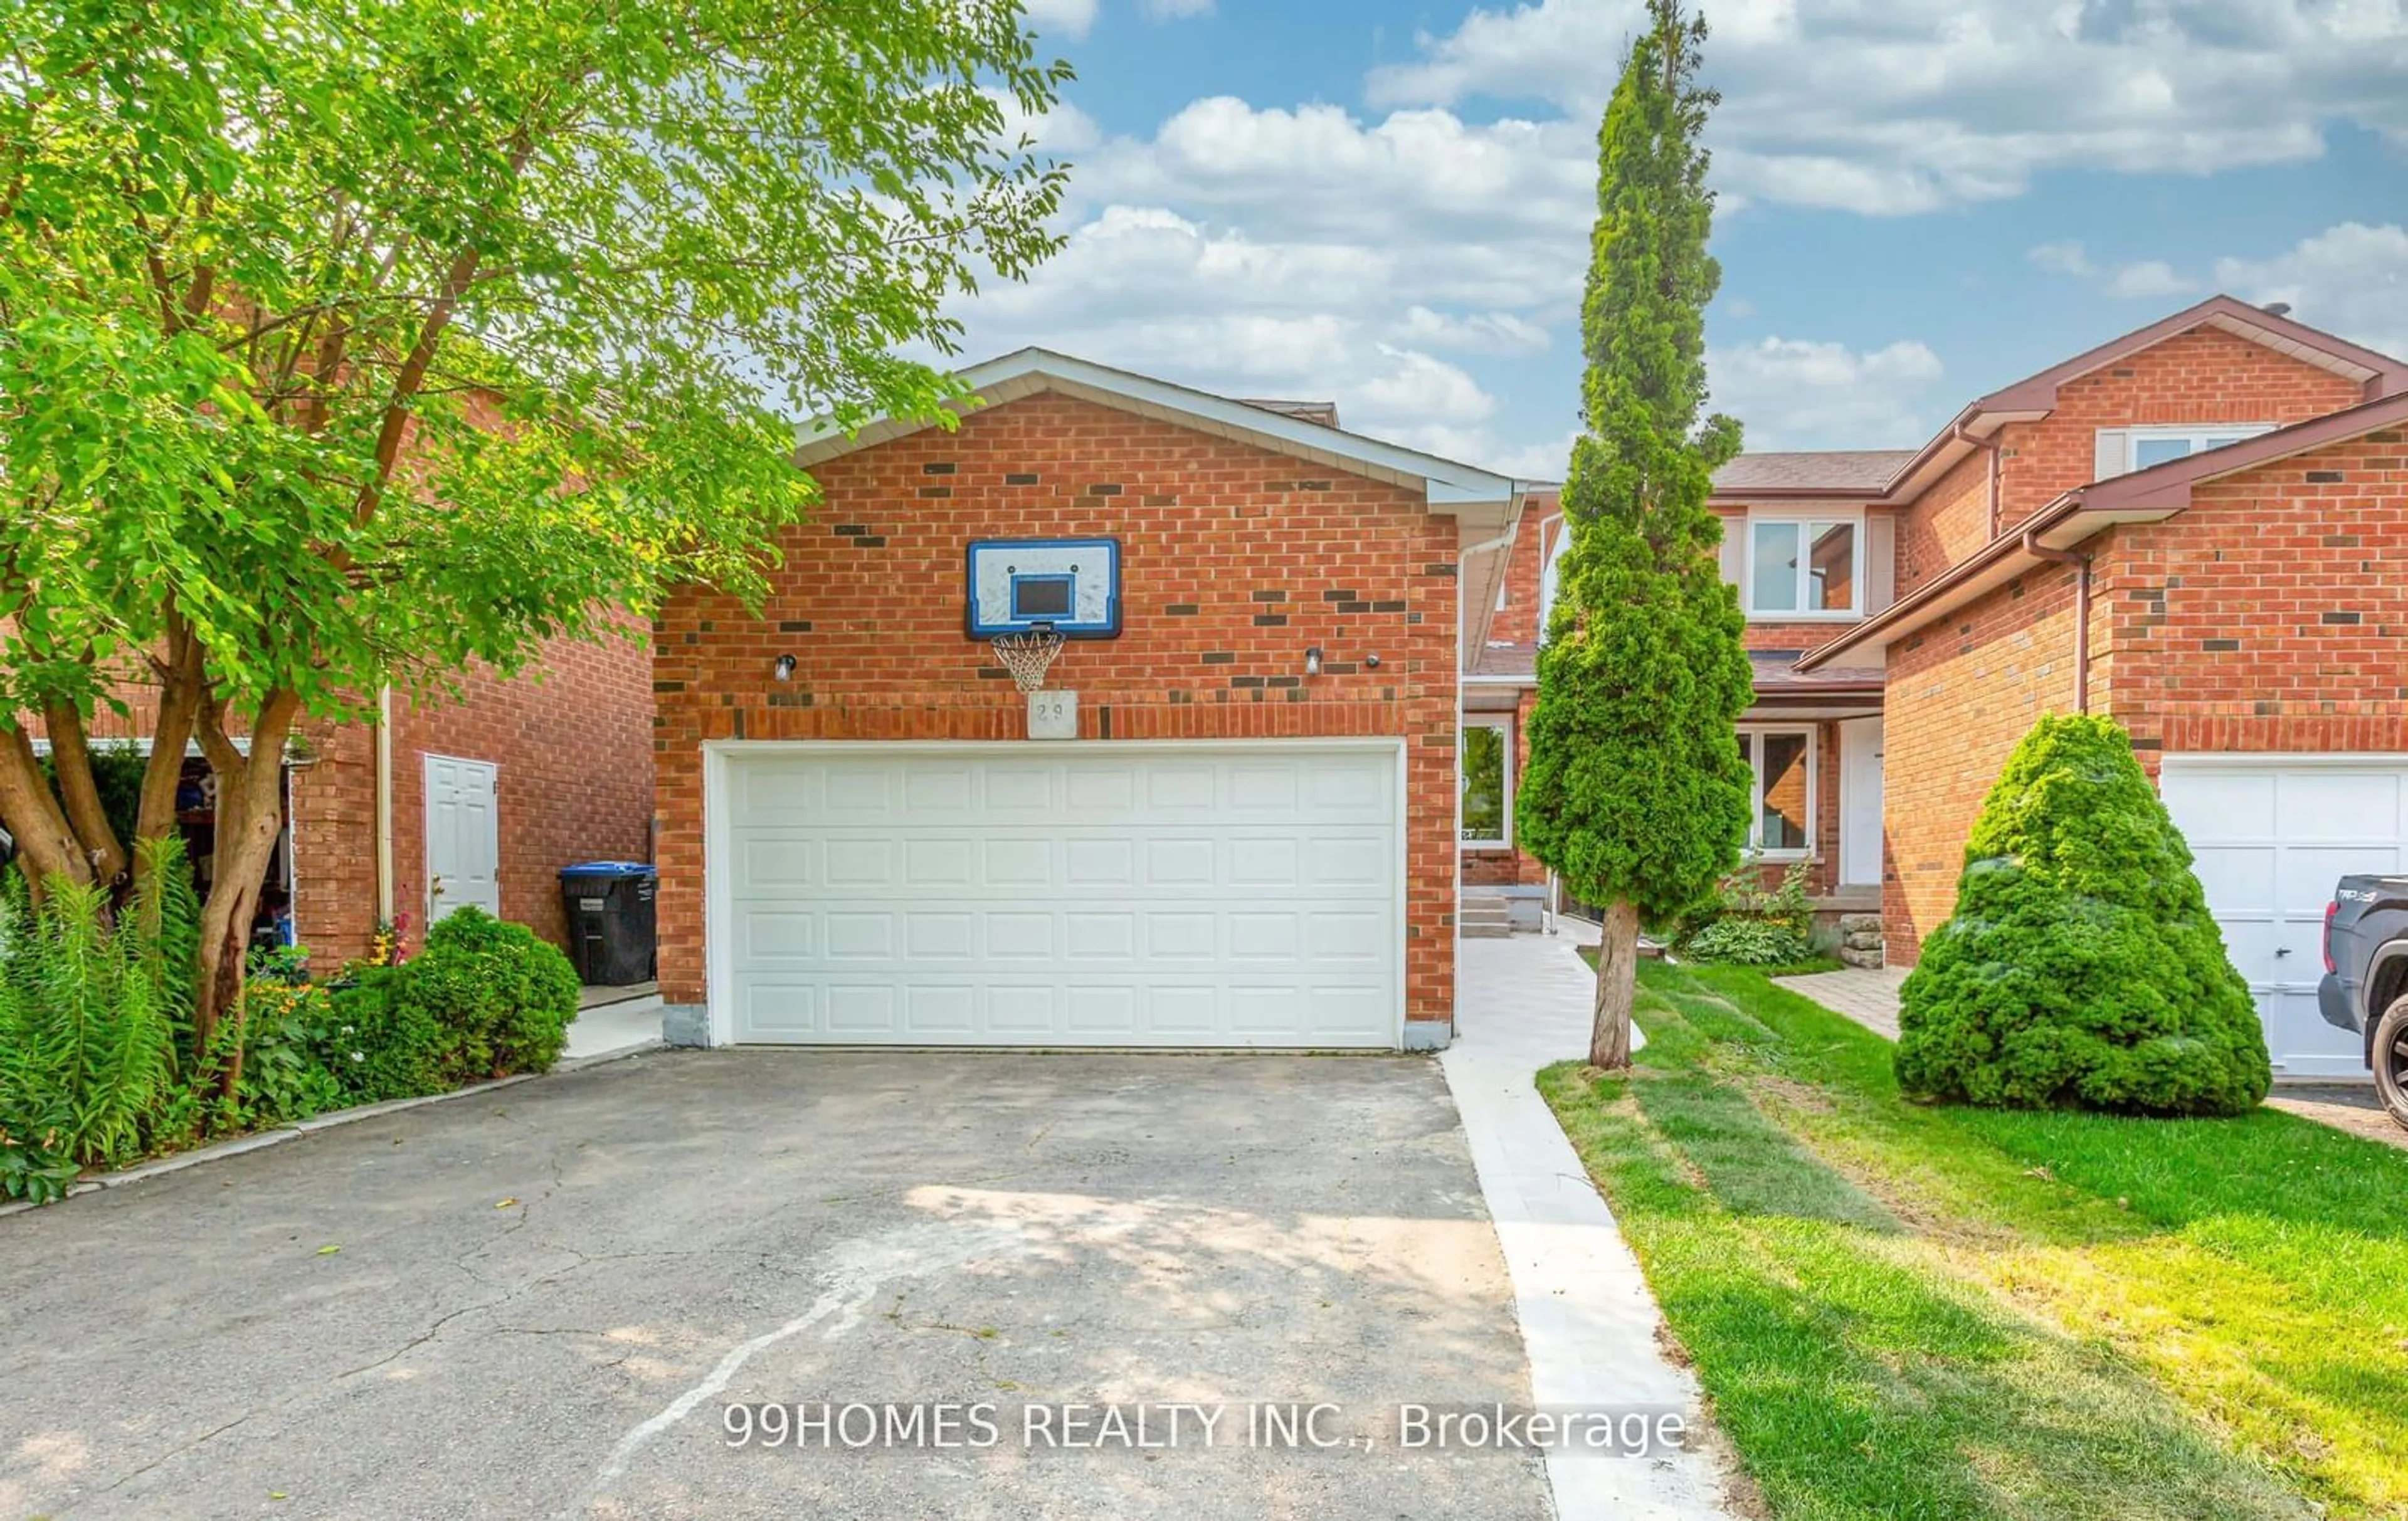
x: 463, y: 838
x: 1860, y: 802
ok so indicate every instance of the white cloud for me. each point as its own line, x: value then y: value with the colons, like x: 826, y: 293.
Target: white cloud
x: 2062, y: 259
x: 1172, y: 10
x: 1064, y: 129
x: 1894, y: 106
x: 1794, y: 394
x: 1073, y: 18
x: 2149, y: 279
x: 1482, y: 332
x: 2351, y: 280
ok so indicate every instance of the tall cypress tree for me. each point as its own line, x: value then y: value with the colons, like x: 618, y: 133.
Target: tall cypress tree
x: 1635, y: 792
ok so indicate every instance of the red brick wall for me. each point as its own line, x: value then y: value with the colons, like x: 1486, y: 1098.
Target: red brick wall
x: 1961, y: 692
x: 1233, y: 560
x: 2273, y: 615
x: 570, y: 741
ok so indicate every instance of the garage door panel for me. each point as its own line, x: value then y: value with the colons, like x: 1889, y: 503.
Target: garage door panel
x: 770, y: 938
x: 1181, y: 936
x: 1029, y: 1012
x: 859, y: 1010
x: 2338, y: 806
x: 1088, y: 935
x: 1180, y: 861
x: 939, y: 865
x: 1246, y: 898
x: 774, y: 1007
x: 1019, y: 935
x: 2235, y: 874
x: 858, y: 937
x: 940, y: 936
x: 1101, y: 862
x: 2306, y: 878
x: 939, y: 1011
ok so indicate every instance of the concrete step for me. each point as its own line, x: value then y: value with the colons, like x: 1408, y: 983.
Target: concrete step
x: 1483, y: 916
x: 1499, y: 932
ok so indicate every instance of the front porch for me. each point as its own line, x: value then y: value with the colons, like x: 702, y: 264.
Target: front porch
x: 1814, y: 745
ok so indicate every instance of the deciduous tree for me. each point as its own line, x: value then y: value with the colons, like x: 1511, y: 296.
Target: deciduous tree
x: 342, y: 344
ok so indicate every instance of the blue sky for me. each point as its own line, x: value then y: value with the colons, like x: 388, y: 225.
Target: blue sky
x: 1388, y: 205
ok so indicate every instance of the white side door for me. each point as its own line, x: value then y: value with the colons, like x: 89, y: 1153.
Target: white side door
x: 464, y: 846
x: 2271, y: 835
x: 1860, y: 802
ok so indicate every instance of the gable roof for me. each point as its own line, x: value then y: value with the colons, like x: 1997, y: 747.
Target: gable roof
x: 1846, y: 472
x: 1451, y: 487
x: 2149, y: 495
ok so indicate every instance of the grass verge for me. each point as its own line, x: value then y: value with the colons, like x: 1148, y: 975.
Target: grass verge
x: 1910, y: 1311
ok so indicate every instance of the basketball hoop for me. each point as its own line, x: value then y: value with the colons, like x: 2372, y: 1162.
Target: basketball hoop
x: 1029, y: 655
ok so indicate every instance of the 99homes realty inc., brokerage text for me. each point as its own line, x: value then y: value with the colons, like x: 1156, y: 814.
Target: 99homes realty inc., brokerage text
x: 1199, y: 1425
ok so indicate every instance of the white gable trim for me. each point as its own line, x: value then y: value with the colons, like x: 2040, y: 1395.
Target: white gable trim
x: 1450, y: 487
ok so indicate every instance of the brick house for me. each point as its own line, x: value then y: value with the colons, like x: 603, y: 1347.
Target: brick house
x: 481, y: 800
x: 2198, y: 528
x: 1250, y: 839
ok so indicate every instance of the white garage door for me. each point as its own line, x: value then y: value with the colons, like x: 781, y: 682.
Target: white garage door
x: 1101, y: 895
x: 2273, y: 834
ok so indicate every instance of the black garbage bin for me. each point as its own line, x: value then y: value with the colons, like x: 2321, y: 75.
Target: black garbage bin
x: 609, y: 905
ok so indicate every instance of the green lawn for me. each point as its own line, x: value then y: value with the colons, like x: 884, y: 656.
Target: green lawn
x: 1909, y: 1312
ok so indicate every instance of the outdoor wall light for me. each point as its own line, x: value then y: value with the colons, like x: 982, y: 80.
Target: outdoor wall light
x: 1312, y: 661
x: 784, y: 670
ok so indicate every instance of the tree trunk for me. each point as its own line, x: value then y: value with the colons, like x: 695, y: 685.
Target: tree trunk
x: 71, y: 758
x: 46, y: 842
x: 250, y: 814
x: 1617, y: 970
x: 180, y: 705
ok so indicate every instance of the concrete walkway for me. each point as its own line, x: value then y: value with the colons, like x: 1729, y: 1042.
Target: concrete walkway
x: 1868, y: 996
x: 616, y: 1027
x: 1588, y: 1323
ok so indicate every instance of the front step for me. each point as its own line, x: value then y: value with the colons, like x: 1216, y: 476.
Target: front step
x: 1483, y: 916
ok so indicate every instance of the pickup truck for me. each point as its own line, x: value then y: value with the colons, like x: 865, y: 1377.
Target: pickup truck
x: 2365, y: 985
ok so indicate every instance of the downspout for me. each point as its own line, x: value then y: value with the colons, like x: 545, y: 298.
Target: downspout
x: 2080, y: 564
x: 384, y: 806
x: 1990, y: 444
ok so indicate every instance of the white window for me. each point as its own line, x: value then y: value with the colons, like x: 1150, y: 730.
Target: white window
x: 1781, y: 811
x: 2145, y: 447
x: 1487, y: 774
x: 1803, y: 568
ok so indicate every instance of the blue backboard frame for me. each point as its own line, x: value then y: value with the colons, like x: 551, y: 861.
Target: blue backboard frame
x: 1103, y: 623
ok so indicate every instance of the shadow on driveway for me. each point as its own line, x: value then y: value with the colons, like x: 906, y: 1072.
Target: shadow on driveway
x: 543, y: 1302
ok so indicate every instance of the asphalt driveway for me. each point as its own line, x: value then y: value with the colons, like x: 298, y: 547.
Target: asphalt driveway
x: 543, y: 1302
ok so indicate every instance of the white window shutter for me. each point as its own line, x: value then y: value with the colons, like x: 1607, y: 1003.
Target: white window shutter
x: 2114, y: 451
x: 1734, y: 546
x: 1881, y: 561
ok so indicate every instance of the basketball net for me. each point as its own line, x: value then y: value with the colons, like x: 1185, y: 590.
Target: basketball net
x: 1028, y: 656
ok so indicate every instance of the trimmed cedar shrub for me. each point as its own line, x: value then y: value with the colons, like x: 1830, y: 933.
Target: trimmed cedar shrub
x: 2081, y: 967
x: 502, y: 996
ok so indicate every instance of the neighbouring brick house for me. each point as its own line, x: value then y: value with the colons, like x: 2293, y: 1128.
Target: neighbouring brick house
x: 1252, y: 840
x: 485, y: 797
x: 2198, y: 528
